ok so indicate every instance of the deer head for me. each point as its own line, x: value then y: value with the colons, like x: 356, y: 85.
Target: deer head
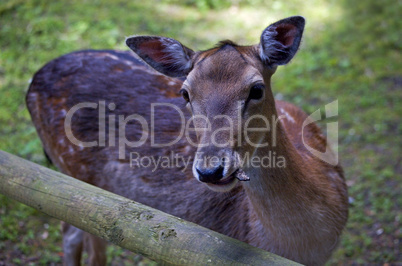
x: 228, y: 92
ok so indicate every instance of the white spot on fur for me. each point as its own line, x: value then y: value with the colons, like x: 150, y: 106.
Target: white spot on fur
x: 112, y: 57
x: 127, y: 62
x: 61, y: 141
x: 63, y: 112
x: 70, y: 150
x: 115, y: 167
x: 61, y: 160
x: 171, y: 83
x: 288, y: 116
x: 187, y: 149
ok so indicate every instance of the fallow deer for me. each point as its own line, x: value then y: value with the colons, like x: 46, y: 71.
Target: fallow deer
x: 296, y: 209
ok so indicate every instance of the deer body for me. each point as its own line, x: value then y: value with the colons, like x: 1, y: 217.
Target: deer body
x: 297, y: 211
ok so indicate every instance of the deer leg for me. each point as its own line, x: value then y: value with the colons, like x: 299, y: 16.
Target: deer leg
x: 72, y: 244
x: 96, y: 248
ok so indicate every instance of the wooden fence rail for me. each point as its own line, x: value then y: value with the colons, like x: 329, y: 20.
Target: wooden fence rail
x: 136, y: 227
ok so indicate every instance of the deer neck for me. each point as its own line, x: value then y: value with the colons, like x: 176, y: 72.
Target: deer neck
x: 278, y: 192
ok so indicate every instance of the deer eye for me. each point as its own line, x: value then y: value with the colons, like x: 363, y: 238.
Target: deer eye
x: 256, y: 91
x: 185, y: 95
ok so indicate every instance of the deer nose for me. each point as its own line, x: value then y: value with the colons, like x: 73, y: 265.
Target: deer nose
x: 210, y: 175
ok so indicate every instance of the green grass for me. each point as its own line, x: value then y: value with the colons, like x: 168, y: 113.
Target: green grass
x: 350, y: 52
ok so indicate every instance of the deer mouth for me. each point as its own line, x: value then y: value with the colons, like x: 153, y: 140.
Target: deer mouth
x: 225, y: 184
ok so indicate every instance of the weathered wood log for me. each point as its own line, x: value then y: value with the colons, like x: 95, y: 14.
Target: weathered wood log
x: 136, y: 227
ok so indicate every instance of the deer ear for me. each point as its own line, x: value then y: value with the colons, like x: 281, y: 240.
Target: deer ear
x: 280, y: 41
x: 166, y: 55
